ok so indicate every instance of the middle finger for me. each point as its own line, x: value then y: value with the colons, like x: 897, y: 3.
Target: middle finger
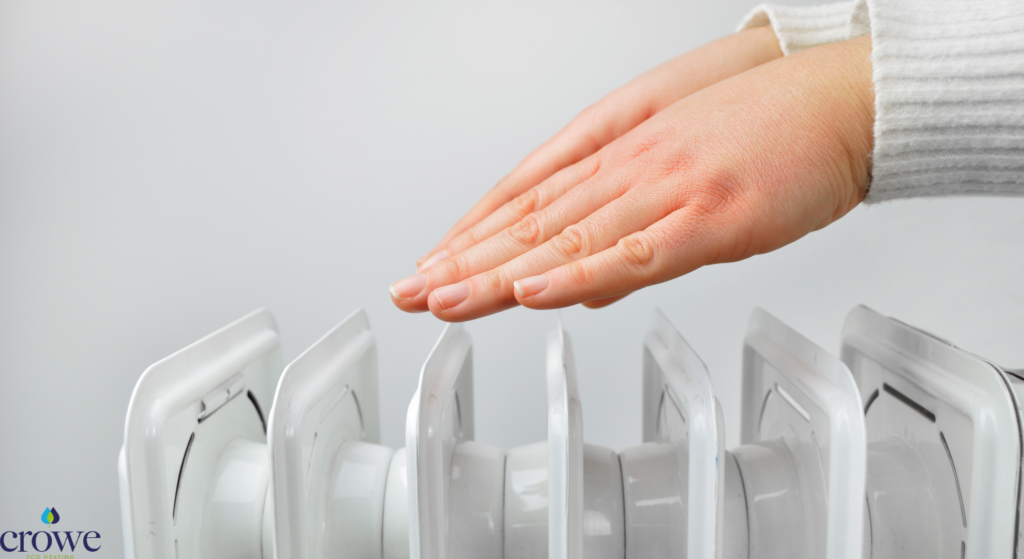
x: 492, y: 290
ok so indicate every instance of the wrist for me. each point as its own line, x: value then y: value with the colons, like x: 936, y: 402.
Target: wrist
x: 856, y: 57
x: 761, y: 43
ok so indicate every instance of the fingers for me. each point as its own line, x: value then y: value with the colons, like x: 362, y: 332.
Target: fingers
x: 670, y: 248
x: 411, y: 294
x: 771, y: 183
x: 747, y: 173
x: 492, y: 290
x: 618, y: 113
x: 581, y: 138
x: 538, y: 166
x: 533, y: 200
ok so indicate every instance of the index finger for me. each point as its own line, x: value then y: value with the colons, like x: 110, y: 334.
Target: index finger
x: 560, y: 151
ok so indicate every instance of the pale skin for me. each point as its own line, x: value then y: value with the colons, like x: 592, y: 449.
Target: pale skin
x: 721, y: 154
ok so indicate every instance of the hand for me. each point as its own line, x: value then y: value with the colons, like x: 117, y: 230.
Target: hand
x: 608, y: 119
x: 739, y: 168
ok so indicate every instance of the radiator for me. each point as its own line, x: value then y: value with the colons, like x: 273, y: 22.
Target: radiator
x: 905, y: 447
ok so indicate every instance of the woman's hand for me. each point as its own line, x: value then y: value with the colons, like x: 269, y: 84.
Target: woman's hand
x: 611, y: 117
x: 739, y: 168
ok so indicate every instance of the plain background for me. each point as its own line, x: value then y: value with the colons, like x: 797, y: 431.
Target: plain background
x: 168, y: 167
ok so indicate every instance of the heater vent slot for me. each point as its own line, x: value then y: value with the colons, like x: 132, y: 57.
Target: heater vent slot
x: 956, y: 478
x: 177, y: 486
x: 871, y: 400
x: 793, y: 403
x: 910, y: 403
x: 764, y: 407
x: 259, y: 410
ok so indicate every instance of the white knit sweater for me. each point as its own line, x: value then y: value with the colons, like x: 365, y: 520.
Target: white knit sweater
x: 949, y: 88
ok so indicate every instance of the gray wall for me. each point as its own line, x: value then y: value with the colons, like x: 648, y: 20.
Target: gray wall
x: 167, y: 167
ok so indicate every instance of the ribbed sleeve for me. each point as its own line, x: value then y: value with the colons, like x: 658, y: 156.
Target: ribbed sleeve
x: 804, y: 27
x: 949, y: 96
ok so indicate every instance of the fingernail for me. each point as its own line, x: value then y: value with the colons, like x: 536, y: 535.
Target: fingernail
x: 437, y: 257
x: 528, y: 287
x: 409, y: 287
x: 451, y: 295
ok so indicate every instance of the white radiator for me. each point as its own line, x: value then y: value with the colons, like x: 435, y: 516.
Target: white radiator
x: 908, y: 447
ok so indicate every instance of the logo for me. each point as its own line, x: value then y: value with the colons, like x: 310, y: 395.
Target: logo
x: 50, y: 516
x: 66, y: 541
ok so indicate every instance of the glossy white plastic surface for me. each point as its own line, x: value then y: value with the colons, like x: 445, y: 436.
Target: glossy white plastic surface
x: 937, y: 436
x: 396, y: 509
x: 477, y: 495
x: 604, y: 534
x: 584, y: 482
x: 1015, y: 381
x: 352, y: 501
x: 449, y: 519
x: 736, y: 528
x: 944, y: 439
x: 185, y: 411
x: 234, y: 500
x: 328, y: 484
x: 526, y: 502
x: 565, y: 451
x: 655, y: 500
x: 804, y: 405
x: 673, y: 487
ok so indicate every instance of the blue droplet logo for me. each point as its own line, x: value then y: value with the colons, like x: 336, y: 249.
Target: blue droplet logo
x: 50, y: 516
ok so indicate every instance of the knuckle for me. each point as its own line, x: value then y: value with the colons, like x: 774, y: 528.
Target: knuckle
x: 455, y: 267
x: 639, y: 250
x: 661, y: 157
x: 578, y: 275
x: 526, y: 203
x: 715, y: 190
x: 649, y: 142
x: 526, y: 231
x: 498, y: 280
x: 572, y: 242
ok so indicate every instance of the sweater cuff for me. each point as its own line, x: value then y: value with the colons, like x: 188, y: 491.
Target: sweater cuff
x: 803, y: 27
x: 949, y: 96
